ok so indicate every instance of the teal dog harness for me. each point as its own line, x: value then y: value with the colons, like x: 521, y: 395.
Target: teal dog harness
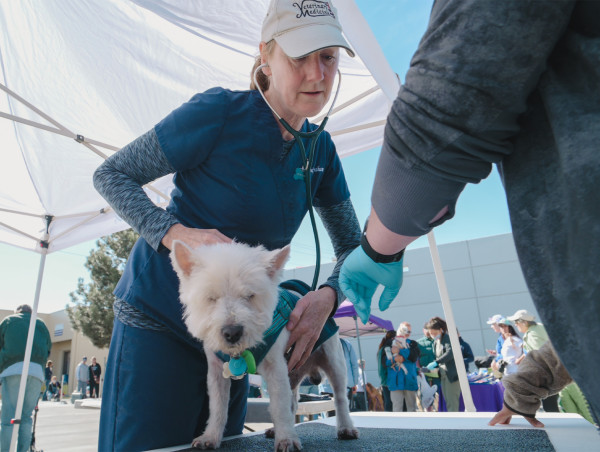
x: 289, y: 293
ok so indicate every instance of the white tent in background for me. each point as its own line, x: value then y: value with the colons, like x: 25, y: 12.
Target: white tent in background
x: 108, y: 71
x: 82, y: 78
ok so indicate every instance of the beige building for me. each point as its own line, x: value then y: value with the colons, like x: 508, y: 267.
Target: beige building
x: 68, y: 347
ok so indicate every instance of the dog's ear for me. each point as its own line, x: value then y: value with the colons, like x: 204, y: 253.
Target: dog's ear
x: 182, y: 259
x: 277, y: 260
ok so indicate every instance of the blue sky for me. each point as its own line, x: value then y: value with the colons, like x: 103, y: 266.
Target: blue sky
x: 481, y: 210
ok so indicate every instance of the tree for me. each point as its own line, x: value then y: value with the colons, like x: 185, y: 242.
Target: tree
x: 92, y: 310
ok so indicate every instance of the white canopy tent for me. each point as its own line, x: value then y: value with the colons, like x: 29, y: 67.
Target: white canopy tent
x: 82, y: 78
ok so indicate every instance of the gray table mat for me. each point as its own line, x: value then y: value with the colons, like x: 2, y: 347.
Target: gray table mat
x: 322, y: 438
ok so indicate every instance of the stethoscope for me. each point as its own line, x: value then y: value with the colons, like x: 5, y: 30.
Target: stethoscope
x: 304, y: 173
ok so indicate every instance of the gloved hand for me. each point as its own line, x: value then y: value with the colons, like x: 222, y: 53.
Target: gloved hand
x: 360, y: 276
x: 432, y: 365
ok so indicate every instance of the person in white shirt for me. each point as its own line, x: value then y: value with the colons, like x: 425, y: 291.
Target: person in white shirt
x: 512, y: 348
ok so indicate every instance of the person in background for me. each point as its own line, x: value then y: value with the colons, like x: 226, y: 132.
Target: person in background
x: 237, y: 173
x: 54, y: 391
x: 82, y: 373
x: 444, y: 359
x: 534, y: 337
x: 94, y: 377
x: 476, y: 95
x: 494, y: 355
x: 47, y: 378
x: 402, y: 370
x: 351, y: 369
x: 382, y: 368
x: 13, y: 341
x: 512, y: 348
x: 359, y: 398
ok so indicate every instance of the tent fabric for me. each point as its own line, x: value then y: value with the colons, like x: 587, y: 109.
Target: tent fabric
x: 346, y: 319
x: 109, y: 71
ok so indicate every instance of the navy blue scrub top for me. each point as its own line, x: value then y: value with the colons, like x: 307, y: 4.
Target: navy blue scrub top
x: 234, y: 173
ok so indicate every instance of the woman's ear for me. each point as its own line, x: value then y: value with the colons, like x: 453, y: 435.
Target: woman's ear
x: 264, y: 58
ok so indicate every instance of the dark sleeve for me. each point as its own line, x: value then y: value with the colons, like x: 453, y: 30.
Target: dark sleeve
x: 120, y: 180
x: 344, y: 231
x: 415, y: 352
x: 457, y: 112
x: 447, y: 354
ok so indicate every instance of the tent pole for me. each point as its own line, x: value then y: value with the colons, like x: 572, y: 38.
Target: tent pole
x: 29, y: 347
x: 361, y: 358
x: 452, y: 331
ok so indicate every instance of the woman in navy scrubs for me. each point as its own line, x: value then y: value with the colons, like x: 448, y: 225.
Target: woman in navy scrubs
x: 234, y: 166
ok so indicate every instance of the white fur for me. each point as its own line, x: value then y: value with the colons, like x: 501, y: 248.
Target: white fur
x: 227, y: 285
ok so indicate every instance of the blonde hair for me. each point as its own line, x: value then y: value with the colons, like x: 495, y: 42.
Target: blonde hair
x: 261, y: 78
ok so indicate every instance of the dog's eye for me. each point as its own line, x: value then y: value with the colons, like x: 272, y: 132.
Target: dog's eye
x: 249, y: 297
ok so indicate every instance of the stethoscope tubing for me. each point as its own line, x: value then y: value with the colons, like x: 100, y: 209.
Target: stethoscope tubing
x: 306, y: 172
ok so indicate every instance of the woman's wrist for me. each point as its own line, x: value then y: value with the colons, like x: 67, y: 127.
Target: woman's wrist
x: 172, y: 234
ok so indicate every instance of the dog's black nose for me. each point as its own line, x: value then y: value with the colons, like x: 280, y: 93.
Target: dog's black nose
x: 232, y: 333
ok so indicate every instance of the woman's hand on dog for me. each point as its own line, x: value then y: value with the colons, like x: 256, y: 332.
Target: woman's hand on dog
x: 306, y: 322
x: 193, y: 237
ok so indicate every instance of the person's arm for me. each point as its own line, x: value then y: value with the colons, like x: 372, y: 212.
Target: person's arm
x: 447, y: 355
x: 540, y: 374
x: 454, y: 118
x: 343, y: 229
x: 120, y: 180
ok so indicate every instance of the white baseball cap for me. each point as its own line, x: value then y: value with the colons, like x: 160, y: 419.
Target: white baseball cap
x: 522, y: 314
x: 301, y: 27
x: 497, y: 318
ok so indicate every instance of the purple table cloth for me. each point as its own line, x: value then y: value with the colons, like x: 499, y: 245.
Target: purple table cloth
x: 486, y: 397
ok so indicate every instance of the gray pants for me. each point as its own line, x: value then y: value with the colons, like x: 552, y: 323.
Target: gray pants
x: 451, y: 393
x: 401, y: 396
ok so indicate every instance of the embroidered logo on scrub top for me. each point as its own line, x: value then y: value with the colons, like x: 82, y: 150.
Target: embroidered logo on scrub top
x: 313, y: 8
x: 318, y: 169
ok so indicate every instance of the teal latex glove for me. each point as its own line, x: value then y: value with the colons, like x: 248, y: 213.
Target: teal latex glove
x: 360, y: 276
x: 432, y: 365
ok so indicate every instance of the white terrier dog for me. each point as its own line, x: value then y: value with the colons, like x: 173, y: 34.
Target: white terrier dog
x: 230, y: 292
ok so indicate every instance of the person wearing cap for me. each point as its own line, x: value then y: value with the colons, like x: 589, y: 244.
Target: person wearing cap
x: 495, y: 355
x: 534, y: 337
x: 512, y: 348
x: 83, y: 377
x: 234, y: 165
x: 534, y: 334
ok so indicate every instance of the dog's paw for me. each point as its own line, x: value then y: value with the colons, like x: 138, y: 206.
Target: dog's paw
x: 347, y: 433
x: 270, y: 433
x: 288, y: 445
x: 206, y: 442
